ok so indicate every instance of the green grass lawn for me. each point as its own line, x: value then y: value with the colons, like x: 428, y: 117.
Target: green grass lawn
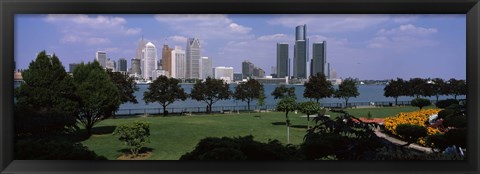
x: 171, y: 137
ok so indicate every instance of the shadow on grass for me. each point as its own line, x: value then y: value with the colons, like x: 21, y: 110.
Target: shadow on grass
x: 299, y: 126
x: 102, y: 130
x: 142, y: 150
x: 258, y: 116
x: 278, y: 123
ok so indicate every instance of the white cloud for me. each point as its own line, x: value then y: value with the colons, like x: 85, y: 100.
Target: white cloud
x: 403, y: 37
x: 91, y: 30
x: 238, y: 28
x: 408, y: 29
x: 275, y: 37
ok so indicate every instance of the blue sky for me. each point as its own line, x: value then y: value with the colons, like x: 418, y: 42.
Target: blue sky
x: 360, y: 46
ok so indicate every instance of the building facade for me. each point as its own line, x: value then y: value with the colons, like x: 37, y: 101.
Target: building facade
x: 72, y: 66
x: 122, y: 65
x: 258, y: 72
x: 101, y: 58
x: 110, y: 65
x: 224, y: 73
x: 300, y: 52
x: 247, y: 69
x: 179, y: 63
x: 283, y: 62
x: 193, y: 58
x: 319, y: 58
x: 136, y: 67
x: 206, y: 68
x: 150, y: 63
x: 166, y: 62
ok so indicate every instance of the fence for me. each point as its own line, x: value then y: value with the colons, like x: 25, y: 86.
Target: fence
x: 244, y: 108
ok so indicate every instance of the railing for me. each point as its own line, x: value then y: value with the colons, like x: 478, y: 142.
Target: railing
x: 244, y: 108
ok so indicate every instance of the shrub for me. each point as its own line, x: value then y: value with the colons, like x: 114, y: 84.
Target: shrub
x: 420, y: 102
x: 438, y: 141
x: 458, y: 121
x: 446, y: 103
x: 411, y: 133
x: 457, y: 137
x: 419, y: 118
x: 135, y: 135
x: 43, y: 149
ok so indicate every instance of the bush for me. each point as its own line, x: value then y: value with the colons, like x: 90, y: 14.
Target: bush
x: 420, y: 102
x: 438, y: 141
x: 446, y: 103
x: 457, y: 137
x: 411, y: 133
x: 135, y: 135
x: 241, y: 148
x: 42, y: 149
x: 457, y: 121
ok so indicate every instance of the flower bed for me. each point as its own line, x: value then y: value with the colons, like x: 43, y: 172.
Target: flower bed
x: 419, y: 118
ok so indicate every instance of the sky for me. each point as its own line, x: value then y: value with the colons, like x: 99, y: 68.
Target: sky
x: 362, y: 46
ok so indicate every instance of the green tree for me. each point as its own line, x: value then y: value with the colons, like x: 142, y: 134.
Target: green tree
x: 287, y: 104
x: 44, y: 101
x: 210, y: 91
x: 394, y: 89
x: 457, y: 87
x: 126, y: 86
x: 318, y: 87
x: 135, y: 135
x: 97, y: 95
x: 309, y: 108
x: 282, y: 91
x: 347, y: 89
x: 165, y: 91
x: 438, y: 87
x: 419, y: 87
x: 249, y: 91
x: 420, y: 102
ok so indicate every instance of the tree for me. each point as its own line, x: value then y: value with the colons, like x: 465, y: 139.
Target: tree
x: 318, y: 87
x: 282, y: 91
x: 43, y: 102
x: 135, y: 135
x: 394, y: 89
x: 126, y: 86
x: 248, y: 91
x: 457, y: 87
x: 287, y: 105
x: 96, y: 94
x: 420, y: 102
x: 347, y: 89
x: 309, y: 108
x: 438, y: 87
x: 419, y: 87
x: 210, y: 91
x: 165, y: 91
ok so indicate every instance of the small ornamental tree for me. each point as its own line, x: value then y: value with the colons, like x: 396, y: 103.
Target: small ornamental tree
x: 287, y: 105
x: 411, y: 133
x: 309, y: 108
x: 347, y: 89
x: 135, y: 136
x: 165, y: 91
x: 248, y: 91
x: 420, y: 102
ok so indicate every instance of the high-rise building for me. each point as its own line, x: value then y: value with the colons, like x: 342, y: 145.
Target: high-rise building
x: 179, y: 63
x: 283, y: 65
x: 122, y: 65
x: 193, y: 58
x: 247, y: 69
x: 206, y: 68
x: 328, y: 70
x: 237, y: 77
x: 258, y: 72
x: 136, y: 67
x: 110, y: 65
x: 300, y: 52
x: 166, y: 61
x: 319, y: 58
x: 150, y: 57
x: 224, y: 73
x: 101, y: 58
x: 159, y: 72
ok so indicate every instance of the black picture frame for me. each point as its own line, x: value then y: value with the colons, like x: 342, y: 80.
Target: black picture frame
x: 8, y: 8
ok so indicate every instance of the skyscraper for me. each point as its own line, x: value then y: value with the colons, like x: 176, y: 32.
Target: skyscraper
x: 167, y: 58
x: 206, y: 67
x: 150, y: 57
x: 283, y: 65
x: 72, y: 66
x: 139, y: 54
x: 193, y: 58
x: 224, y: 73
x: 110, y: 65
x: 300, y: 52
x: 247, y: 69
x: 136, y: 67
x: 179, y: 63
x: 101, y: 58
x: 258, y: 72
x: 122, y: 65
x: 319, y: 57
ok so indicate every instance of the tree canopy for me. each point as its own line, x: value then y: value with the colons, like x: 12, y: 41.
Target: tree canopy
x: 210, y: 91
x: 395, y: 89
x: 309, y: 108
x: 126, y: 87
x: 282, y: 91
x: 165, y: 91
x: 97, y: 94
x: 318, y: 87
x: 347, y: 89
x: 249, y: 91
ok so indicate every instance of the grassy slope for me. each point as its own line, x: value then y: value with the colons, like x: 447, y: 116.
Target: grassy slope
x: 172, y: 137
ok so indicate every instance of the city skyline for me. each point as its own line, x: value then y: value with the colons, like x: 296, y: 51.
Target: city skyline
x: 361, y: 46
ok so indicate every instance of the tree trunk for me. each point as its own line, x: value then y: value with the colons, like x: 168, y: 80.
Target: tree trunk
x: 346, y: 102
x: 308, y: 121
x: 165, y: 110
x: 396, y: 99
x: 288, y: 134
x: 248, y: 104
x: 455, y: 96
x: 437, y: 98
x: 317, y: 99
